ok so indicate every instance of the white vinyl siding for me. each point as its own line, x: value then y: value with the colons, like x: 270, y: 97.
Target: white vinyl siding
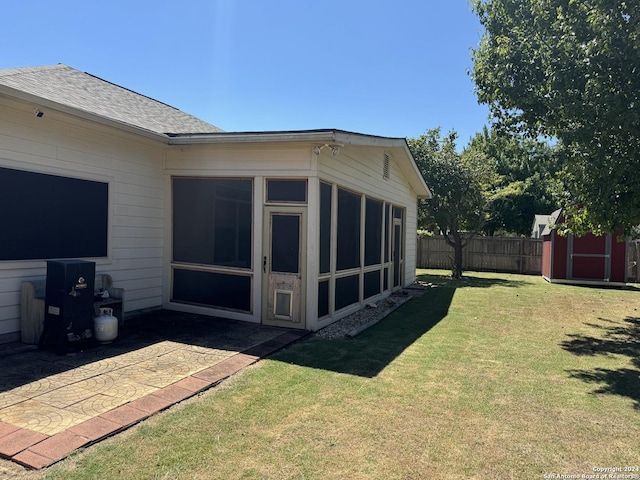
x: 59, y: 144
x: 138, y: 171
x: 359, y: 169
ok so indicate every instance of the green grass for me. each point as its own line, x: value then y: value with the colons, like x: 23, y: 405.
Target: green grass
x: 492, y: 376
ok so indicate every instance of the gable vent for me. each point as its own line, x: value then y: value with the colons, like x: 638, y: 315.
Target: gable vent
x: 385, y: 167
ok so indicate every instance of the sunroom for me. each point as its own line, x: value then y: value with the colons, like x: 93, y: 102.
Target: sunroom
x: 294, y: 229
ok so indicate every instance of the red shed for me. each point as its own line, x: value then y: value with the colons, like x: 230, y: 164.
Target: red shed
x: 587, y: 259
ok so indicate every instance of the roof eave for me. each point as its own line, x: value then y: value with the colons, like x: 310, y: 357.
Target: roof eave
x: 331, y: 136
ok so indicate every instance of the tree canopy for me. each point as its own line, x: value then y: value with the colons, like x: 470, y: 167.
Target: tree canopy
x: 458, y: 183
x: 525, y: 181
x: 570, y: 70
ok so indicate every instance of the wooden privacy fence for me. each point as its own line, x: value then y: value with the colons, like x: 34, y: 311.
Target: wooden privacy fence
x: 492, y: 254
x: 502, y: 254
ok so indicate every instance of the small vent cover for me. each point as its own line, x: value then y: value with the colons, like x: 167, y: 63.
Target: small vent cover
x: 385, y: 167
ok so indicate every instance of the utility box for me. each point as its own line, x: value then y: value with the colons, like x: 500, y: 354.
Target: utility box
x: 68, y: 311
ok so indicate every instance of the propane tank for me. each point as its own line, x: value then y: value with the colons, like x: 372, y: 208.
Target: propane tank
x: 105, y: 326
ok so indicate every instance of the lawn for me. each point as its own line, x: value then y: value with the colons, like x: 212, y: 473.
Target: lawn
x: 493, y: 376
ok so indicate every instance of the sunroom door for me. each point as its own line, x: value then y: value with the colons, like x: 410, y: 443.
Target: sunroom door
x: 397, y: 254
x: 283, y: 266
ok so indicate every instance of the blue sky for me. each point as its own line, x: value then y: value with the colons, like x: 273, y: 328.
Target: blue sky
x: 377, y: 67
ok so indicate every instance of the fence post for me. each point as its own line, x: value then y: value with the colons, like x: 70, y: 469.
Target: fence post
x: 521, y: 262
x: 636, y: 255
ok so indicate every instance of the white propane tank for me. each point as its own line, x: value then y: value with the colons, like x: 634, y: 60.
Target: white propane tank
x: 105, y: 326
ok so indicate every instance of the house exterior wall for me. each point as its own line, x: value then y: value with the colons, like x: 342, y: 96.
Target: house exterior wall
x: 60, y: 144
x: 361, y: 170
x: 356, y: 168
x: 257, y: 162
x: 139, y: 171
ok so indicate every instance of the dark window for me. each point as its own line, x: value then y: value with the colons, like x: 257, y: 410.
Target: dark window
x: 372, y: 232
x: 348, y: 248
x: 325, y: 227
x: 397, y: 254
x: 285, y: 243
x: 287, y: 191
x: 386, y: 233
x: 397, y: 212
x: 212, y: 289
x: 323, y: 298
x: 48, y: 216
x: 385, y: 280
x: 212, y: 221
x: 371, y: 283
x: 347, y: 289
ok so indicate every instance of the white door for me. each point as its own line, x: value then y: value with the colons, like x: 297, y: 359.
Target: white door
x: 283, y: 267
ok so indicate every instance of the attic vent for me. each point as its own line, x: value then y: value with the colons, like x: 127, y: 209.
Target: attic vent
x: 385, y: 167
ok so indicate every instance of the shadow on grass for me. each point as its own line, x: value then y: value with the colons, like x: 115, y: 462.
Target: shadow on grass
x: 619, y: 338
x: 470, y: 280
x: 371, y: 351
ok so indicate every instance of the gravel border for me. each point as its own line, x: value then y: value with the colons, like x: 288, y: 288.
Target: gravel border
x: 359, y: 321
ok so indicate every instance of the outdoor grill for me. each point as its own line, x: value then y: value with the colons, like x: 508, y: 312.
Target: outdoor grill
x: 68, y: 304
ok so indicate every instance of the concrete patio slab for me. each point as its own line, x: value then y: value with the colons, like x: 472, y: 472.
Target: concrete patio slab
x: 51, y: 405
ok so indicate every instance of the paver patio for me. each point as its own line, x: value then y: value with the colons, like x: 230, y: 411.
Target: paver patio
x: 51, y: 405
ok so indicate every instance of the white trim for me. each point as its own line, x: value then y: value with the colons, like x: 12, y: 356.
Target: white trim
x: 275, y: 304
x: 585, y: 282
x: 75, y: 175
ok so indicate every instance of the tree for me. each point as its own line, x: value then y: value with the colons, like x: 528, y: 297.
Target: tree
x: 525, y: 183
x: 458, y: 206
x: 570, y: 70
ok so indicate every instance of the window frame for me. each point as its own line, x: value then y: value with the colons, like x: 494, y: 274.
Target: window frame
x: 384, y: 265
x: 213, y: 264
x: 269, y: 201
x: 216, y: 269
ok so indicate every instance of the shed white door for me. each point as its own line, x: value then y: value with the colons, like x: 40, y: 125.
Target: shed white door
x: 283, y: 266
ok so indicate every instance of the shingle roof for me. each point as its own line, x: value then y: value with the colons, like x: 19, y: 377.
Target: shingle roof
x: 553, y: 218
x: 70, y: 87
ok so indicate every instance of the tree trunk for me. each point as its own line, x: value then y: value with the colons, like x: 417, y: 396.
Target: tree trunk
x: 457, y: 258
x: 455, y: 240
x: 458, y: 245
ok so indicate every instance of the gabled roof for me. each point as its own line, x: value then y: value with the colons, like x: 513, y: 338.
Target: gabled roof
x: 539, y: 224
x: 551, y: 221
x: 69, y: 87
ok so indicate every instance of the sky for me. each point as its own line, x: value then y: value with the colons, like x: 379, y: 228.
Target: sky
x: 388, y: 68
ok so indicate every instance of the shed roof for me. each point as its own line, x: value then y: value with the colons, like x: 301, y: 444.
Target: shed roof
x: 82, y: 91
